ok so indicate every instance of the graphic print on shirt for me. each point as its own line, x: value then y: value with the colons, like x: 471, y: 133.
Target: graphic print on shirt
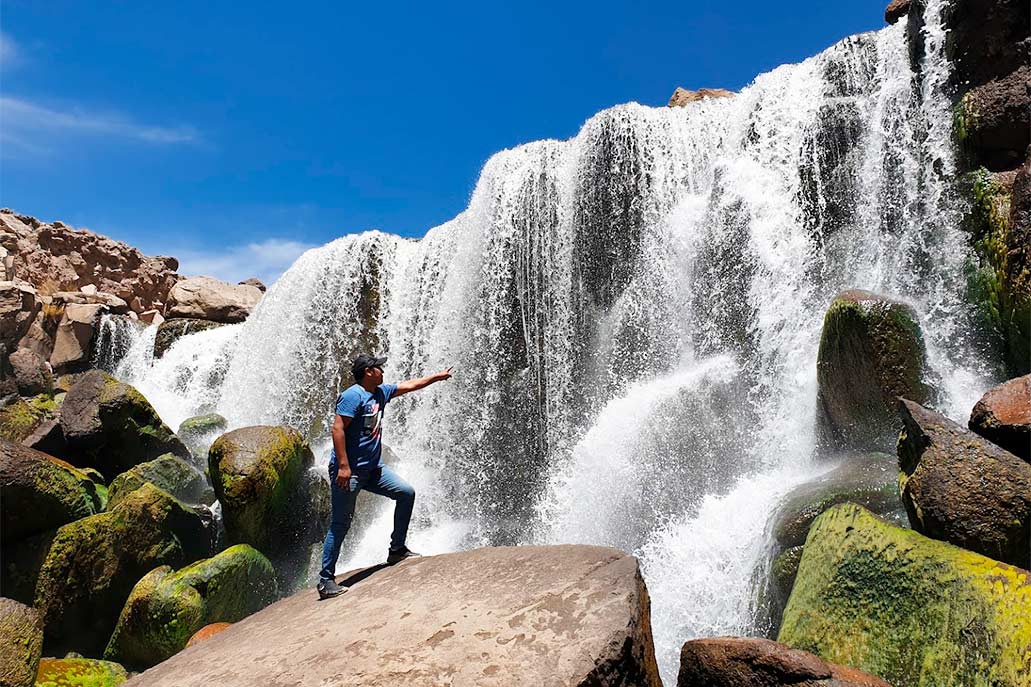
x: 372, y: 422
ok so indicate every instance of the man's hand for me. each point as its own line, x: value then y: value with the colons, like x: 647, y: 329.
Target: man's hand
x: 344, y: 479
x: 441, y: 376
x: 422, y: 382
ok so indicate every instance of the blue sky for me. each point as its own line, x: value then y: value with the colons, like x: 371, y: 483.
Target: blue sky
x: 234, y: 135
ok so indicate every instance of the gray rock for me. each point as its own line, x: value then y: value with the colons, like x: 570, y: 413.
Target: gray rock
x: 32, y: 373
x: 256, y: 283
x: 558, y: 615
x: 962, y: 489
x: 21, y: 644
x: 207, y: 298
x: 200, y: 431
x: 172, y: 330
x: 169, y: 472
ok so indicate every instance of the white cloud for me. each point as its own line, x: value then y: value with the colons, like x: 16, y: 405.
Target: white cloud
x: 266, y: 260
x: 25, y: 122
x: 9, y: 53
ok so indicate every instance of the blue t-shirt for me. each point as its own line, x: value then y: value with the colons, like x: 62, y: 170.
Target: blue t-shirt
x: 362, y: 436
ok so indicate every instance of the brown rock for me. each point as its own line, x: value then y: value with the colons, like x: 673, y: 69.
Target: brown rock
x: 114, y: 303
x: 206, y: 632
x: 208, y: 298
x: 682, y: 96
x: 171, y: 330
x: 996, y: 120
x: 555, y: 615
x: 32, y: 373
x: 1003, y: 416
x: 962, y: 489
x: 755, y: 662
x: 55, y: 257
x: 987, y: 39
x: 21, y: 644
x: 73, y: 342
x: 896, y: 10
x: 18, y: 308
x: 256, y: 283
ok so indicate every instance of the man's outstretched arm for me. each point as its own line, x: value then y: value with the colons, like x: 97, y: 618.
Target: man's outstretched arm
x: 422, y: 382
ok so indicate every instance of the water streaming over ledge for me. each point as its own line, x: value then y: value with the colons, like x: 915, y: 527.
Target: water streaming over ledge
x: 633, y: 315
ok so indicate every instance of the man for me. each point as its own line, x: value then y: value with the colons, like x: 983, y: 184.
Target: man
x: 354, y: 463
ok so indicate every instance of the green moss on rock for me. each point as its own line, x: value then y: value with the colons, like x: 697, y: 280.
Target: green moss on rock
x: 79, y: 672
x: 906, y: 608
x: 92, y: 564
x: 40, y: 492
x: 166, y: 608
x: 21, y: 643
x: 198, y: 432
x: 19, y: 419
x: 169, y: 472
x: 871, y: 352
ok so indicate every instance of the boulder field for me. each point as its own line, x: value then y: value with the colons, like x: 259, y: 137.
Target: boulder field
x: 559, y: 615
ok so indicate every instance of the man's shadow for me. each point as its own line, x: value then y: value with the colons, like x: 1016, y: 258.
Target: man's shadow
x: 355, y: 576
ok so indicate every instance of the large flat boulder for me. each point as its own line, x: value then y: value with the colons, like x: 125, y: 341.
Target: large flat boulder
x: 558, y: 615
x: 871, y: 352
x: 755, y: 662
x: 912, y: 610
x: 962, y: 489
x: 208, y: 298
x: 1003, y: 416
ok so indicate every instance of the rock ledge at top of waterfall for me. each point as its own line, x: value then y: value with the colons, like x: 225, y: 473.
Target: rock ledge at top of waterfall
x: 534, y: 615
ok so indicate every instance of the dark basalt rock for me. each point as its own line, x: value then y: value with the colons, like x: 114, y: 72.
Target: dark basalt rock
x: 994, y: 121
x: 962, y: 489
x: 987, y: 39
x: 112, y: 427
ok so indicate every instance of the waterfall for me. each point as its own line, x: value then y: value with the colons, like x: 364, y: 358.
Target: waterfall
x: 115, y: 336
x: 633, y: 316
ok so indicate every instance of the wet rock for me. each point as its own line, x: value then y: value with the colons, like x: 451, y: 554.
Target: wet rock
x: 21, y: 561
x: 73, y: 342
x: 166, y: 608
x: 32, y: 373
x: 261, y: 477
x: 895, y: 10
x: 65, y: 259
x: 21, y: 644
x: 570, y: 615
x: 994, y: 121
x: 782, y: 577
x: 87, y: 672
x: 682, y: 96
x: 93, y: 564
x: 40, y: 492
x: 889, y: 601
x: 112, y: 427
x: 207, y: 632
x: 871, y: 352
x: 962, y: 489
x: 986, y: 39
x: 754, y: 662
x: 199, y: 431
x: 169, y: 472
x: 171, y: 330
x: 207, y: 298
x: 19, y: 306
x: 20, y: 419
x: 255, y: 282
x: 1003, y: 416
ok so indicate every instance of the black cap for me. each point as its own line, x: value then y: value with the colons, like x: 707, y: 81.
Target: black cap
x: 364, y: 362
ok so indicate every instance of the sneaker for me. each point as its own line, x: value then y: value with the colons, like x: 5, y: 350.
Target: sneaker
x: 329, y: 588
x: 396, y: 556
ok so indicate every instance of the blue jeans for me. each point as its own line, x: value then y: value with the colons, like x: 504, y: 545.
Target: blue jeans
x: 382, y: 481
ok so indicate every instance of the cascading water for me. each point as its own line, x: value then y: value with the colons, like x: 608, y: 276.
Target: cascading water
x: 633, y: 316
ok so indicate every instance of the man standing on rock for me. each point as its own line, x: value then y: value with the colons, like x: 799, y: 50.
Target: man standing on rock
x: 354, y: 463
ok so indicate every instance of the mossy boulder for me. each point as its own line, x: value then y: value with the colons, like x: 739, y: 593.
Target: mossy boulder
x: 93, y: 564
x: 20, y: 419
x: 79, y: 672
x: 40, y: 492
x: 22, y: 561
x: 871, y: 352
x: 173, y: 329
x: 169, y: 472
x: 963, y: 489
x: 912, y: 610
x: 112, y: 427
x: 260, y: 475
x: 199, y: 431
x: 21, y: 643
x: 166, y: 608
